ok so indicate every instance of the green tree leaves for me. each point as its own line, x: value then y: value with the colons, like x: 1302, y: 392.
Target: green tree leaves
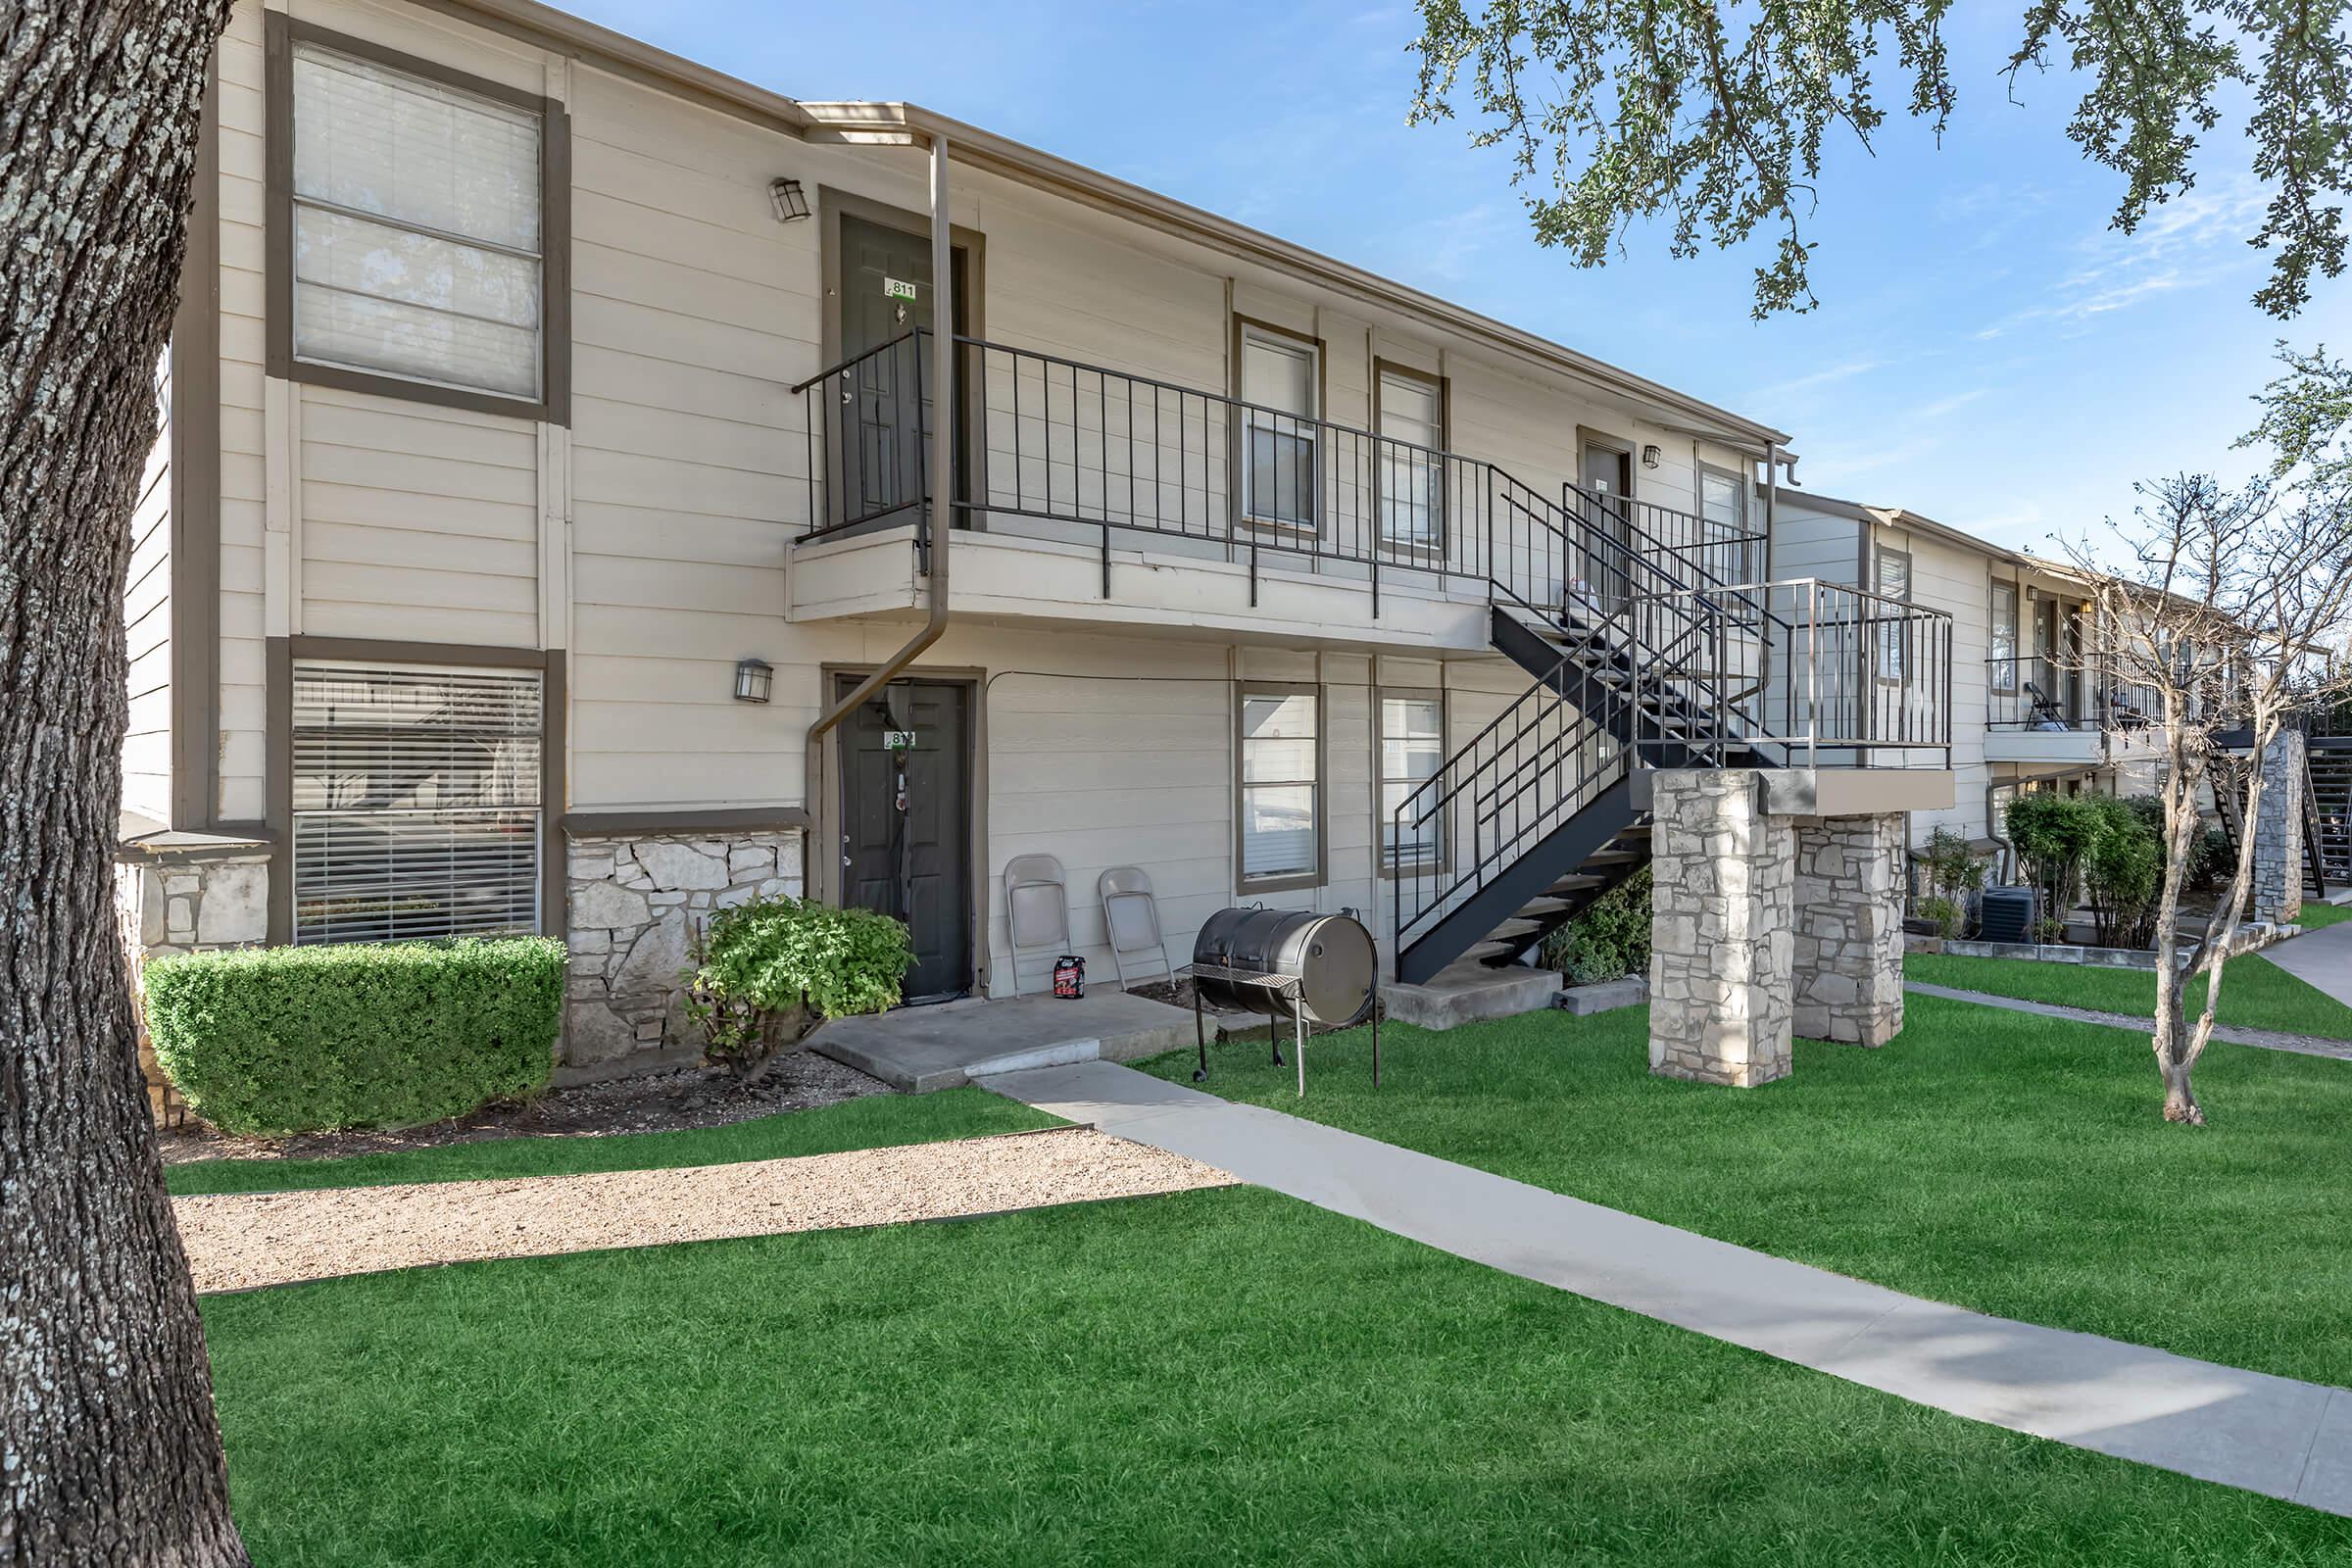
x: 1713, y: 119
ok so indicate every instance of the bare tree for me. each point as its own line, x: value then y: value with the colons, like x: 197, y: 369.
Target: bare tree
x: 2222, y: 614
x: 109, y: 1450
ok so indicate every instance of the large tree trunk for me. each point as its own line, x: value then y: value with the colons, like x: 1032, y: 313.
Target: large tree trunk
x: 112, y: 1454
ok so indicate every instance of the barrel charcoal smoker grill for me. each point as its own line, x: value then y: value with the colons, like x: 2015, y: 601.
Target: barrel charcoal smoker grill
x: 1289, y: 965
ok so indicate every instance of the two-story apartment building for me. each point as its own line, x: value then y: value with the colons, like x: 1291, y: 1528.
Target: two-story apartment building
x: 2034, y: 703
x: 561, y: 434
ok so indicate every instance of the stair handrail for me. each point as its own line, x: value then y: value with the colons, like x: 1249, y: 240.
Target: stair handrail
x: 1430, y: 800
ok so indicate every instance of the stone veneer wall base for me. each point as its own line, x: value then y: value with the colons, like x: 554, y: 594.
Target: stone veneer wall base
x: 637, y: 902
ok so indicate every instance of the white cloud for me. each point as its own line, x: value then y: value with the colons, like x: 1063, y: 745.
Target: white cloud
x: 1948, y: 404
x: 2195, y: 239
x: 1827, y: 375
x: 1834, y: 467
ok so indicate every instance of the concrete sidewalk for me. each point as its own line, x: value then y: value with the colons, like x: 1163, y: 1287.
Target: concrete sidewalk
x: 2321, y: 959
x: 2266, y: 1039
x: 2244, y: 1428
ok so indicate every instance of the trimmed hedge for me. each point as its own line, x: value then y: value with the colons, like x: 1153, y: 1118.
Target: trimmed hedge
x: 277, y: 1040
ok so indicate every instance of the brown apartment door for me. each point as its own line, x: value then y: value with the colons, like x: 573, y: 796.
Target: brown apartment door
x: 906, y: 817
x: 886, y: 293
x: 1606, y: 473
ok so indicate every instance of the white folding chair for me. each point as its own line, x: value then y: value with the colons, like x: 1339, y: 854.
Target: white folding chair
x: 1037, y: 909
x: 1131, y: 919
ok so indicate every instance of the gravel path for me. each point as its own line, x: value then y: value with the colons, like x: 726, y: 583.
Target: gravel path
x: 2266, y: 1039
x: 243, y: 1241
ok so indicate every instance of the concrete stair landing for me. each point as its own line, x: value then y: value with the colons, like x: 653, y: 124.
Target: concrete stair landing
x: 1465, y: 990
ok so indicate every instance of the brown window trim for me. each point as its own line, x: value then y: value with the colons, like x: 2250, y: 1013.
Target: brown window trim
x: 1384, y: 867
x: 554, y: 886
x: 553, y: 403
x: 195, y: 496
x: 1443, y: 385
x: 1243, y: 882
x: 1242, y: 520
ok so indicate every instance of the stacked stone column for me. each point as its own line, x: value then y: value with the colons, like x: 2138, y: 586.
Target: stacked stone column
x: 1850, y: 928
x: 1722, y: 930
x: 1765, y: 927
x: 2278, y: 892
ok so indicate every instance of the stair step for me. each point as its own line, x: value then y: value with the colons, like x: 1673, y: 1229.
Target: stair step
x: 1490, y: 949
x: 1543, y: 908
x: 1615, y: 857
x: 1516, y: 927
x: 1578, y: 882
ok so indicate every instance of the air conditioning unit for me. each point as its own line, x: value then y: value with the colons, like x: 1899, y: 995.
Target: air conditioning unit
x: 2008, y: 914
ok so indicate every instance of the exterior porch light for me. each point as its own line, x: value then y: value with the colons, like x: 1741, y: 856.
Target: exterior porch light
x: 753, y: 678
x: 790, y: 202
x: 1650, y: 456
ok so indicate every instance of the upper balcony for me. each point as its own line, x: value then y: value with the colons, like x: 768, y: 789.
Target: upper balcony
x: 2071, y: 708
x: 1088, y: 495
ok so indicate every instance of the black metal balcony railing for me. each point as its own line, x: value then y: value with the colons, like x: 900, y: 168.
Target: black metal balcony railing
x: 2065, y: 690
x: 1801, y: 666
x: 1099, y: 452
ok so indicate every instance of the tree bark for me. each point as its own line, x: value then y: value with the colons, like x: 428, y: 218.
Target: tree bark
x: 112, y: 1454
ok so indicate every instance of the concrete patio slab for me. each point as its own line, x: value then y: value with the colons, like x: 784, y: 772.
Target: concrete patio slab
x: 923, y: 1049
x: 2269, y: 1435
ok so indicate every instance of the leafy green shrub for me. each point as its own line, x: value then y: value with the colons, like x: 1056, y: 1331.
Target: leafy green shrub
x: 1608, y: 939
x: 2052, y: 833
x: 1954, y: 871
x: 1949, y: 915
x: 765, y: 971
x: 2122, y: 866
x: 276, y: 1039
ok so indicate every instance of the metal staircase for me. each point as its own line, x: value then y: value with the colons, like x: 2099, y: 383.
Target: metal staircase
x: 2329, y: 792
x: 1534, y: 818
x: 2327, y: 795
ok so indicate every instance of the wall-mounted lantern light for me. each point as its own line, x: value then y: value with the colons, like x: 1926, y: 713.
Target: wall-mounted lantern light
x: 753, y: 677
x: 1650, y: 456
x: 791, y: 203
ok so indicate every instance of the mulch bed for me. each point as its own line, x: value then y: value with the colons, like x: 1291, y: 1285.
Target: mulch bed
x: 666, y: 1101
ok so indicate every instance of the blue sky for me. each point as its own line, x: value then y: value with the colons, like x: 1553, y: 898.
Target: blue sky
x: 1986, y: 351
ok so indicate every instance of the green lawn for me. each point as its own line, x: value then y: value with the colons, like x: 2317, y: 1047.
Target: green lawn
x: 1224, y: 1377
x: 2255, y: 992
x: 1995, y: 1159
x: 874, y: 1121
x: 2314, y: 915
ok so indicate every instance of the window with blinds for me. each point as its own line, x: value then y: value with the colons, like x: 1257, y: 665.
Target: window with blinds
x: 415, y: 802
x: 1281, y: 381
x: 416, y: 228
x: 1412, y: 748
x: 1893, y: 582
x: 1282, y: 794
x: 1412, y: 428
x: 2004, y: 637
